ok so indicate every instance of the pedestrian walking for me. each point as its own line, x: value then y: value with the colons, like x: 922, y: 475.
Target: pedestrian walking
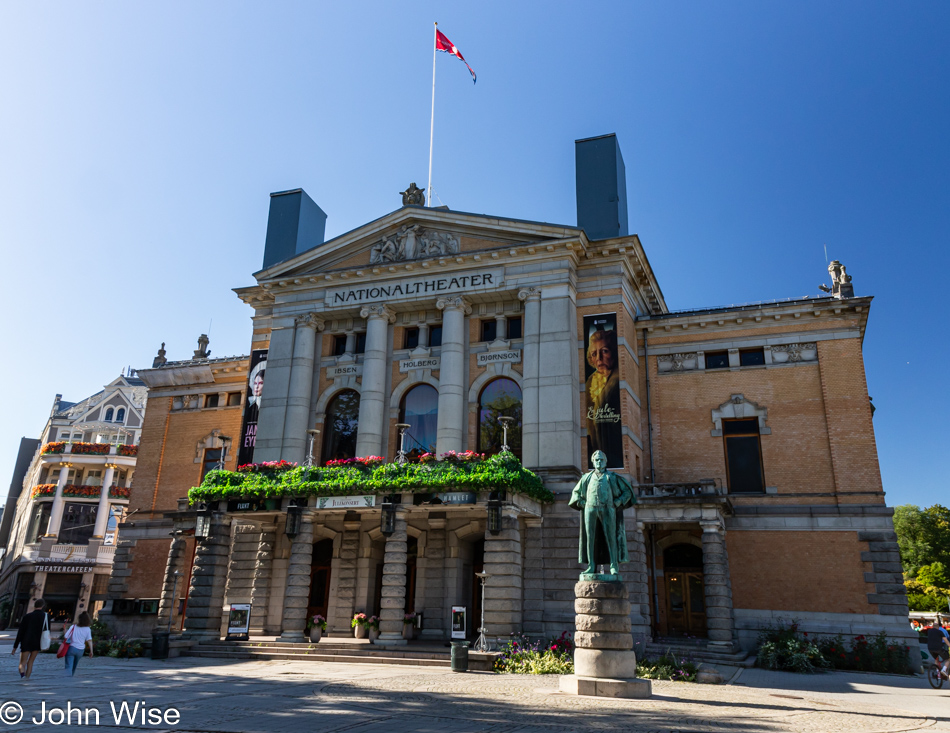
x: 79, y: 637
x: 29, y: 636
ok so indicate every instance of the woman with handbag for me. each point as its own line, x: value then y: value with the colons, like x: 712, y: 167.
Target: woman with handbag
x: 79, y: 637
x: 31, y: 634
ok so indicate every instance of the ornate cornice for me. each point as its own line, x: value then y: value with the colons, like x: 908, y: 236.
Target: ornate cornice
x: 456, y: 302
x: 527, y: 294
x: 310, y: 320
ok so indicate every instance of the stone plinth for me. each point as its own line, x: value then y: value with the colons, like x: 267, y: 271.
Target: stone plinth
x: 605, y: 664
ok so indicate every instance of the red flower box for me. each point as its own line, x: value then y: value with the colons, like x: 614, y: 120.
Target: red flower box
x: 91, y: 449
x: 52, y: 448
x: 127, y: 450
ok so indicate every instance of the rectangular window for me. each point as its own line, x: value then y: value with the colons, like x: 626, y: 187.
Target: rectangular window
x: 514, y: 328
x: 435, y: 336
x: 361, y: 343
x: 752, y: 357
x: 717, y: 359
x: 234, y: 399
x: 339, y: 344
x: 39, y: 522
x: 489, y: 329
x: 93, y: 478
x: 211, y: 400
x: 411, y: 338
x: 79, y: 521
x: 743, y: 456
x: 212, y: 456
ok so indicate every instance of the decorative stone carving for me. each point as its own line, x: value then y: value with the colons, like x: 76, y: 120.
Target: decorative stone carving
x: 410, y: 242
x: 678, y: 362
x: 310, y: 320
x: 738, y: 407
x: 786, y: 353
x: 413, y: 196
x: 529, y: 294
x: 379, y: 311
x: 202, y: 352
x: 159, y: 359
x: 454, y: 302
x: 841, y: 286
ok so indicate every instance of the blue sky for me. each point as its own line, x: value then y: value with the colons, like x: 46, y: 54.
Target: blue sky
x: 139, y: 142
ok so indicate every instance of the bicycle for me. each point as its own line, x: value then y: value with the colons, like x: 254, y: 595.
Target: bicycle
x: 935, y: 673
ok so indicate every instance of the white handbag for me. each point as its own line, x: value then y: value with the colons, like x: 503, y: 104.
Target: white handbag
x: 44, y: 637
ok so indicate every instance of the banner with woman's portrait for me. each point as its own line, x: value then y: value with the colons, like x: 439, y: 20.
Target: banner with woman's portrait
x: 252, y: 406
x: 602, y: 379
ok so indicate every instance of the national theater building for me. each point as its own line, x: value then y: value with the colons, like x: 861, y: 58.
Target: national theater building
x: 746, y: 432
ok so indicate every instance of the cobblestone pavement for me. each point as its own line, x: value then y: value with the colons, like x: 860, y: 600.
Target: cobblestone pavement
x: 277, y: 696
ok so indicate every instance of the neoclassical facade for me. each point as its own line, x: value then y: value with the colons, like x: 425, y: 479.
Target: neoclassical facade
x: 746, y: 432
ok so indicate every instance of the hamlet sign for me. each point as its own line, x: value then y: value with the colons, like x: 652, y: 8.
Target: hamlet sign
x: 430, y: 285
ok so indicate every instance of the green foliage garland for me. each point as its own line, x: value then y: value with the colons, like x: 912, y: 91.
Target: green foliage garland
x: 502, y: 472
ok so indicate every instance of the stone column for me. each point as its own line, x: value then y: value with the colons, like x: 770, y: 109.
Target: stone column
x: 532, y: 621
x: 56, y: 513
x: 393, y: 601
x: 206, y: 595
x: 720, y: 624
x: 297, y: 419
x: 260, y: 586
x: 434, y: 614
x: 242, y: 564
x: 371, y: 434
x: 529, y: 390
x: 451, y: 417
x: 343, y: 602
x: 423, y: 335
x: 172, y: 583
x: 559, y: 410
x: 637, y: 580
x: 102, y: 513
x: 273, y: 414
x: 297, y: 595
x: 503, y: 589
x: 350, y: 346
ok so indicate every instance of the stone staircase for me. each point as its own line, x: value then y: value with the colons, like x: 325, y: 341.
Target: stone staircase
x: 696, y: 650
x: 427, y: 655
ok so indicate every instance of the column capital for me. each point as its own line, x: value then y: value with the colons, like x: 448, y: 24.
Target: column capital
x: 378, y: 311
x: 310, y: 320
x: 454, y: 302
x: 527, y: 294
x: 714, y: 526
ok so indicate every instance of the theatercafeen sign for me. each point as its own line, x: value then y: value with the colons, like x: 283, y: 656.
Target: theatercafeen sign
x: 45, y: 565
x: 418, y: 287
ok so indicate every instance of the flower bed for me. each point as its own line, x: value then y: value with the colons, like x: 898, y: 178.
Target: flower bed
x: 42, y: 490
x: 127, y: 450
x: 784, y: 648
x: 502, y: 472
x: 520, y: 655
x: 667, y: 667
x: 90, y: 449
x: 119, y: 492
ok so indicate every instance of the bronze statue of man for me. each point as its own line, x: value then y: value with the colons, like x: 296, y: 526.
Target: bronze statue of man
x: 602, y: 496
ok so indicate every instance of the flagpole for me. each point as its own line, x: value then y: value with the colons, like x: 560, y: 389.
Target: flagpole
x: 432, y: 120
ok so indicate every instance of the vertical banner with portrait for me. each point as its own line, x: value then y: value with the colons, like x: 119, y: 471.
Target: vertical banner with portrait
x: 602, y: 379
x: 252, y: 406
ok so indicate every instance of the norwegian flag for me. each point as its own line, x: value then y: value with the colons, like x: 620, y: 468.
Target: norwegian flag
x: 444, y: 44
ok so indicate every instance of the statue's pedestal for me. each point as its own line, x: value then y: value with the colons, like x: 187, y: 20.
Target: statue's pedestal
x: 605, y: 664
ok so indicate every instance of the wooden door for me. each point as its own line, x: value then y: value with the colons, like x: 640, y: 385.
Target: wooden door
x: 320, y: 578
x: 685, y: 603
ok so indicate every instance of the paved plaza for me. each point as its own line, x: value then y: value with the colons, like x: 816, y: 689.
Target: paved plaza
x: 276, y: 696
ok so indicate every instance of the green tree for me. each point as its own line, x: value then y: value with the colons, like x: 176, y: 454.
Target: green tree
x: 923, y: 536
x: 934, y: 574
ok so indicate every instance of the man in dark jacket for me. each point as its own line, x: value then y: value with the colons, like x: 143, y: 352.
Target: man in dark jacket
x: 28, y: 637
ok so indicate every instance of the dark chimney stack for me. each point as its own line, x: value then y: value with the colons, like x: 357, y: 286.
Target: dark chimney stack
x: 601, y: 181
x: 294, y: 225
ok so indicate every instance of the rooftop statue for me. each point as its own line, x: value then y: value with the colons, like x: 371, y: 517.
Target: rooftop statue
x: 413, y: 196
x: 841, y: 286
x: 602, y: 496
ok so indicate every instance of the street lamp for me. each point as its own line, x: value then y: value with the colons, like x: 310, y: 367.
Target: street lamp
x: 294, y: 515
x: 494, y: 512
x: 401, y: 453
x: 225, y: 442
x: 505, y: 422
x: 312, y: 434
x: 203, y: 524
x: 482, y: 644
x: 387, y: 523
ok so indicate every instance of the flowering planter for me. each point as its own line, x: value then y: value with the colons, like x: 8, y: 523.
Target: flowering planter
x: 315, y: 633
x: 408, y: 631
x: 359, y: 631
x: 373, y: 635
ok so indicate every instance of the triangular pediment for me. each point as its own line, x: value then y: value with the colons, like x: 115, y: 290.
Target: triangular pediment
x: 415, y: 233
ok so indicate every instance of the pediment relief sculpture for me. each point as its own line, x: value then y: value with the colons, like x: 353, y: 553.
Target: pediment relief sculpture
x: 411, y: 242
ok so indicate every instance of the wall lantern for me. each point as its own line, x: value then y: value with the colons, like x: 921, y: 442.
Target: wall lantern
x: 387, y: 524
x: 294, y: 515
x: 203, y: 524
x: 494, y: 512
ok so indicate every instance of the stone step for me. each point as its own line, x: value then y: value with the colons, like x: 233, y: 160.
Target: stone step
x: 320, y: 650
x: 699, y: 653
x: 290, y: 656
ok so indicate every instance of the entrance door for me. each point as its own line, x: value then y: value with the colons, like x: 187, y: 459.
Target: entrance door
x: 320, y: 578
x: 685, y: 593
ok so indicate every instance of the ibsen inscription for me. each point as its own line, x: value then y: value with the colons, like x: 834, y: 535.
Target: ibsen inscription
x: 418, y: 287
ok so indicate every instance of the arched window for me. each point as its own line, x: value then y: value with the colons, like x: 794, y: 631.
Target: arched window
x: 340, y: 427
x: 109, y: 415
x: 420, y: 411
x: 120, y: 415
x: 499, y: 398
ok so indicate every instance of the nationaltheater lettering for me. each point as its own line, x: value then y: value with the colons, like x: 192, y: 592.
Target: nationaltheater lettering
x: 416, y: 287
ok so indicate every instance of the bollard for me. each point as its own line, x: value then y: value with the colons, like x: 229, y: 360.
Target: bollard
x: 460, y: 656
x: 160, y: 644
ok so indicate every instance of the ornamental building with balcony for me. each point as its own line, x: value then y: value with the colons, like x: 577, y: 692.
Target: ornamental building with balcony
x: 745, y: 431
x: 70, y: 490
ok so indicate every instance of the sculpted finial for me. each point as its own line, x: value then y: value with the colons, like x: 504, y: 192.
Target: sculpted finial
x: 413, y: 196
x: 841, y: 286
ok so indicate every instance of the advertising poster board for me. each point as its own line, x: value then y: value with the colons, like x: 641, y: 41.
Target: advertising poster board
x: 458, y: 622
x: 252, y: 406
x: 239, y: 621
x: 602, y: 380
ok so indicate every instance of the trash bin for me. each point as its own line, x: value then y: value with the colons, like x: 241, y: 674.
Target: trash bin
x: 460, y: 656
x: 160, y: 644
